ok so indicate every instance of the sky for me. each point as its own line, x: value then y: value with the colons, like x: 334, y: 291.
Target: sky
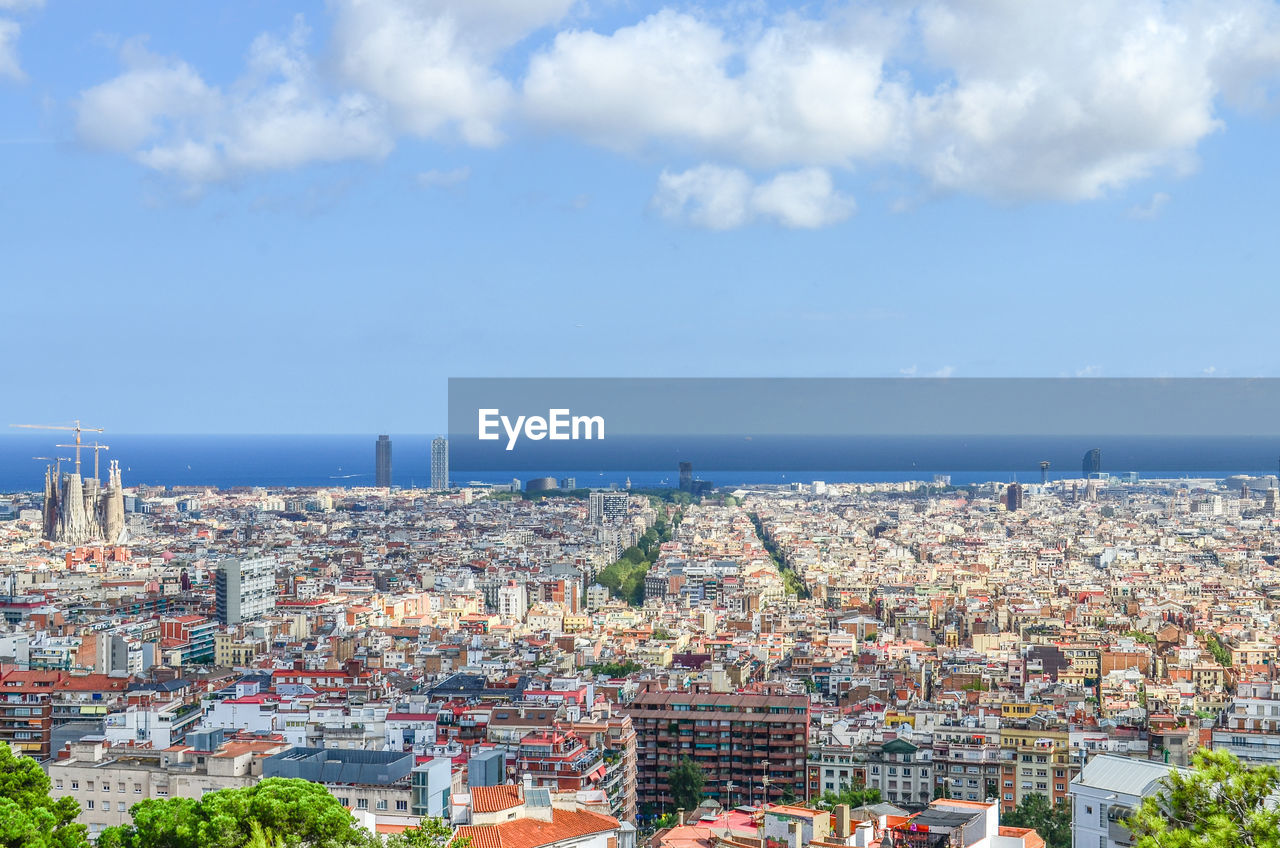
x: 259, y: 216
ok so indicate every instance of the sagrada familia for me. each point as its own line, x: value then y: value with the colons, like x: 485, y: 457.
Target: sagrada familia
x: 79, y: 510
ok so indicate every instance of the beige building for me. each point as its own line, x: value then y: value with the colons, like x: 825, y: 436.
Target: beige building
x: 107, y: 780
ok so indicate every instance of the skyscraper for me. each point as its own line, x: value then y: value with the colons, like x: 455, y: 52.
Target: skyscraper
x: 686, y: 476
x: 1092, y: 463
x: 382, y: 462
x: 439, y: 463
x: 1013, y: 497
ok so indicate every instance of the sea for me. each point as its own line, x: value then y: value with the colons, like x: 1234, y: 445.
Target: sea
x: 280, y: 461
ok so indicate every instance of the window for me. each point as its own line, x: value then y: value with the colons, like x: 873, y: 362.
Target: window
x: 362, y: 803
x: 89, y: 804
x: 137, y: 789
x: 401, y: 806
x: 382, y: 804
x: 57, y: 784
x: 88, y: 784
x: 122, y: 807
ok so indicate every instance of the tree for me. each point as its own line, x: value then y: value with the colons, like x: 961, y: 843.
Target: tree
x: 1052, y: 823
x: 29, y: 817
x: 685, y: 782
x: 296, y: 812
x: 1219, y: 803
x: 857, y: 794
x: 431, y: 833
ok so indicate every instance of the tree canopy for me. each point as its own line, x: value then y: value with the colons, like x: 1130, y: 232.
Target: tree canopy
x: 1220, y: 803
x: 1053, y: 823
x: 430, y: 833
x: 685, y: 782
x: 857, y: 795
x: 276, y: 811
x: 29, y: 817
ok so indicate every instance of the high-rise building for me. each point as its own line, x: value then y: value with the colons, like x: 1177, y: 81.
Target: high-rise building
x: 686, y: 476
x: 382, y: 462
x: 244, y: 589
x: 754, y: 737
x: 1013, y: 497
x: 1092, y: 463
x: 440, y: 463
x: 607, y: 507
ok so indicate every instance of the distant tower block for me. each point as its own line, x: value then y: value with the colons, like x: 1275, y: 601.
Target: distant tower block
x: 440, y: 463
x: 382, y: 462
x: 1044, y: 472
x: 686, y: 476
x: 1092, y: 463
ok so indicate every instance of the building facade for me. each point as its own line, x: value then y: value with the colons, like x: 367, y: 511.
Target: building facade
x: 245, y: 589
x: 757, y: 743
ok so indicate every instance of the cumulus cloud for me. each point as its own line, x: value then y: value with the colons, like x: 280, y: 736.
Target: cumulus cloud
x: 720, y: 198
x: 1026, y: 106
x: 276, y: 117
x: 432, y: 61
x: 1062, y: 99
x: 9, y: 67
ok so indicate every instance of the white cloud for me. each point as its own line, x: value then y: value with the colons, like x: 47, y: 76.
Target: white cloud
x: 277, y: 116
x: 9, y: 67
x: 724, y: 198
x: 20, y: 5
x: 1061, y: 99
x: 431, y: 62
x: 808, y: 92
x: 444, y: 179
x: 1028, y: 106
x: 1152, y: 208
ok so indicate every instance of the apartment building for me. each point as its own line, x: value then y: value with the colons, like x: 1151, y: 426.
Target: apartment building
x: 757, y: 743
x: 108, y: 779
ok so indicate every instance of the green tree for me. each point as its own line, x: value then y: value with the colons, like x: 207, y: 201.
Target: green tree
x: 857, y: 794
x: 1220, y: 803
x: 1052, y: 823
x: 29, y: 818
x: 430, y: 833
x: 301, y: 813
x: 633, y: 554
x: 685, y: 782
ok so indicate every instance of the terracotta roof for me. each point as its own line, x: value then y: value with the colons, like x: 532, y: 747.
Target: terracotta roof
x: 534, y: 833
x: 491, y: 799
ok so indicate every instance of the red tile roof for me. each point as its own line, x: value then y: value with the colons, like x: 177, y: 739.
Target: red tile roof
x: 533, y: 833
x: 492, y: 799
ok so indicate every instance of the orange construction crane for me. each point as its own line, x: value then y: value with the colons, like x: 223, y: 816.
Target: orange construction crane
x: 77, y: 429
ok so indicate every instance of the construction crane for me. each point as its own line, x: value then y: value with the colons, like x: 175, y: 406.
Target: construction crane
x: 57, y: 468
x: 96, y: 447
x: 77, y: 429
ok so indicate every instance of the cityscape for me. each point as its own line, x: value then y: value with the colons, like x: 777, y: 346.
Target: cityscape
x: 646, y: 424
x: 842, y: 664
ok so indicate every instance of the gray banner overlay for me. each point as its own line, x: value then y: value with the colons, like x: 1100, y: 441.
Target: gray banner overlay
x: 862, y: 424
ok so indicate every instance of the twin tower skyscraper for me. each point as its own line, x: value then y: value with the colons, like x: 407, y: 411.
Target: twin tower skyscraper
x: 439, y: 463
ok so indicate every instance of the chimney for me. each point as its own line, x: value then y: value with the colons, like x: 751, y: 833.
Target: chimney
x: 842, y: 821
x: 680, y: 817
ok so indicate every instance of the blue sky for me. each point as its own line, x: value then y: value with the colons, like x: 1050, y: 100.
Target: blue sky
x: 269, y: 217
